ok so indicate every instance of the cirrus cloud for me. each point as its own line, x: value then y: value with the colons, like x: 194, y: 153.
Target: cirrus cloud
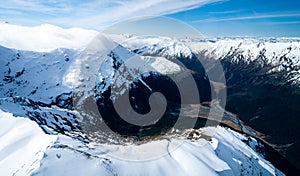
x: 94, y: 14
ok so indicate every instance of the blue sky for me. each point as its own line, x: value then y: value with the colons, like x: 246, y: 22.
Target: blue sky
x: 210, y: 17
x: 246, y: 18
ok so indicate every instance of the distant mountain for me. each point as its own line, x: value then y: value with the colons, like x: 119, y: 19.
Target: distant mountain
x: 44, y: 38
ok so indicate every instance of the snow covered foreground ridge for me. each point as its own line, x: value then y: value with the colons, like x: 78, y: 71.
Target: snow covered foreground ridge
x: 35, y: 153
x: 22, y: 145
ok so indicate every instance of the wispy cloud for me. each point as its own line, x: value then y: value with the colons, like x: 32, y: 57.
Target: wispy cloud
x: 283, y: 22
x: 94, y: 13
x: 226, y: 12
x: 35, y: 6
x: 250, y: 17
x: 136, y: 8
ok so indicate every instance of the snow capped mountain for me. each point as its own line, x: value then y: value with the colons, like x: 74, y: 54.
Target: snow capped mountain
x: 38, y: 79
x: 43, y: 38
x: 32, y: 84
x: 275, y: 55
x: 29, y: 74
x: 135, y: 67
x: 163, y: 46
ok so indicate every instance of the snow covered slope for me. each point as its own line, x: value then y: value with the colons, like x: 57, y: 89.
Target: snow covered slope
x: 223, y: 154
x: 134, y: 65
x: 31, y: 74
x: 22, y: 145
x: 25, y: 150
x: 32, y: 84
x: 163, y: 46
x: 273, y: 55
x: 43, y: 38
x: 21, y: 154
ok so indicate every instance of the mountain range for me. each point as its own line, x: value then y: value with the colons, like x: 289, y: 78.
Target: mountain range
x: 43, y: 72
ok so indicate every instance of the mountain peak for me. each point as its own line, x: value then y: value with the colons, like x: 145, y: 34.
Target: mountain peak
x: 45, y: 37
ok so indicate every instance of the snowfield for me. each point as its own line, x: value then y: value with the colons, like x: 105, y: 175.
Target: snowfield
x: 280, y: 54
x: 22, y: 145
x: 26, y: 150
x: 29, y: 74
x: 43, y: 38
